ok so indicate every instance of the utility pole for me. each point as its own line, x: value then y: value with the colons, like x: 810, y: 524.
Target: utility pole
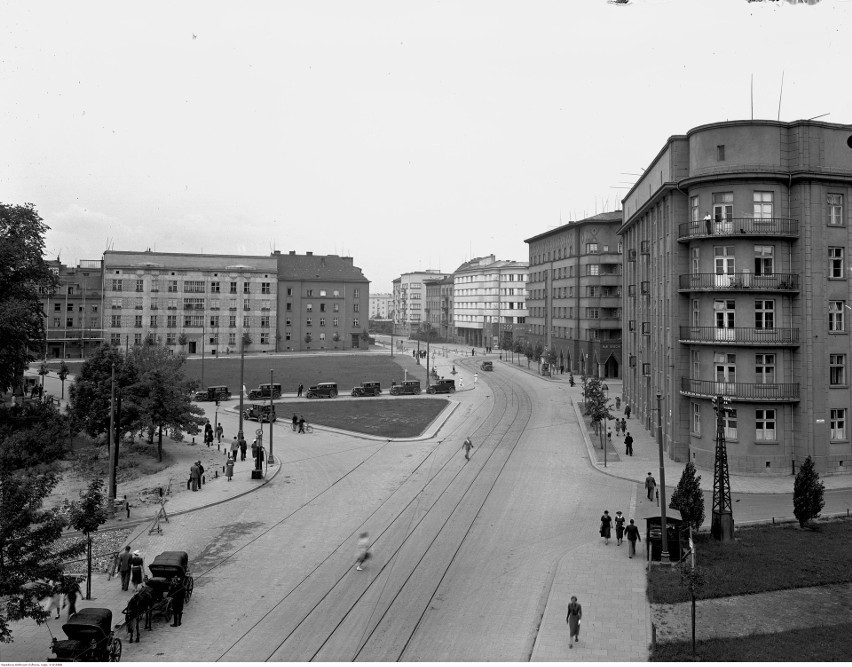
x: 111, y: 478
x: 271, y: 459
x: 664, y: 554
x: 722, y: 522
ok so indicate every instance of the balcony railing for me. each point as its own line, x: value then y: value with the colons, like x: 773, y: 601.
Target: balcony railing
x: 739, y: 227
x: 740, y: 335
x: 738, y: 282
x: 782, y: 392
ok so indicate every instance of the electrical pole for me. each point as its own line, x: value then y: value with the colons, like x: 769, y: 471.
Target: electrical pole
x: 664, y: 554
x: 271, y: 459
x: 722, y: 522
x: 112, y: 457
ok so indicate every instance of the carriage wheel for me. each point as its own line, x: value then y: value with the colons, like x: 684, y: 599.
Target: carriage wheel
x: 115, y: 650
x: 190, y: 584
x: 167, y: 612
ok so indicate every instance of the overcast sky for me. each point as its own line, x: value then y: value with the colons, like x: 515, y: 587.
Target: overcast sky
x: 408, y: 135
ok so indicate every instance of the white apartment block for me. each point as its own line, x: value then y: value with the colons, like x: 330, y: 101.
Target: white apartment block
x: 381, y: 306
x: 409, y: 298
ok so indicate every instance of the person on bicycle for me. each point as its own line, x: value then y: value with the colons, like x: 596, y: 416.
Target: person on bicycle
x: 301, y: 424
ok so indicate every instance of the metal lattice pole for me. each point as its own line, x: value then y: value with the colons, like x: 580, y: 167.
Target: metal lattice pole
x: 722, y: 523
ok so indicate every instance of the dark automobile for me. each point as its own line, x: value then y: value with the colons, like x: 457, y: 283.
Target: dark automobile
x: 218, y: 393
x: 442, y: 387
x: 407, y: 387
x: 368, y: 389
x: 487, y: 365
x: 323, y: 390
x: 263, y: 391
x: 261, y: 412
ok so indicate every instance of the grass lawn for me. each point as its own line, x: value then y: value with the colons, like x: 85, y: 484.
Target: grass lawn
x: 830, y: 643
x: 763, y: 558
x: 398, y: 417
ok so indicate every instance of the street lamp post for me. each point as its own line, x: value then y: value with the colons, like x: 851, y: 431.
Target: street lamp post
x: 242, y: 374
x: 271, y: 459
x: 664, y: 554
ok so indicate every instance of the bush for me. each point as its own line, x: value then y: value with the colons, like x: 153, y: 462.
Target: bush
x: 688, y: 498
x: 807, y: 493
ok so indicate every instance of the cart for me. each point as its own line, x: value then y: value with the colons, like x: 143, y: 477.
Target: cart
x: 170, y: 564
x: 90, y: 638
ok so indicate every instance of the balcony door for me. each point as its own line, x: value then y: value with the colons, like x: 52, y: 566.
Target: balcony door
x: 726, y: 374
x: 723, y: 211
x: 725, y: 319
x: 725, y: 265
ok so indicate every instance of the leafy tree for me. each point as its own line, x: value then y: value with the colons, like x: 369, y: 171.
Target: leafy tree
x: 529, y: 352
x: 24, y: 278
x: 63, y: 375
x: 43, y: 370
x: 538, y: 351
x: 29, y: 556
x: 89, y: 395
x: 688, y: 498
x: 518, y: 348
x: 550, y: 357
x: 87, y: 516
x: 182, y: 339
x: 808, y: 492
x: 32, y: 435
x: 597, y: 406
x: 366, y: 338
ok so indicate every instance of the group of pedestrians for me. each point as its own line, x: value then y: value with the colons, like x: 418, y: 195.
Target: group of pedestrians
x: 631, y: 530
x: 209, y: 431
x: 196, y: 477
x: 299, y: 423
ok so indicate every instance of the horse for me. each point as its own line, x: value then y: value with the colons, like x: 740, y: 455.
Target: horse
x: 139, y: 605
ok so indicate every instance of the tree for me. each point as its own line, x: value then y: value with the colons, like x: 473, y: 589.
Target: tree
x: 597, y: 406
x: 518, y: 348
x: 87, y: 516
x: 182, y: 339
x: 29, y: 556
x: 366, y: 338
x: 538, y: 351
x: 808, y: 493
x: 63, y: 375
x: 688, y: 498
x: 32, y: 436
x: 24, y: 277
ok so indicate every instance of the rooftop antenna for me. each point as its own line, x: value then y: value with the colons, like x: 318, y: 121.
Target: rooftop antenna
x: 820, y: 116
x: 780, y: 92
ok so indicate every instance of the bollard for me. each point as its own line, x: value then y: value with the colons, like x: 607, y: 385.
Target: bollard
x: 215, y: 474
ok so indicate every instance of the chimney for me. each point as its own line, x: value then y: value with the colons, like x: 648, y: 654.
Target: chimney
x: 309, y: 253
x: 292, y: 252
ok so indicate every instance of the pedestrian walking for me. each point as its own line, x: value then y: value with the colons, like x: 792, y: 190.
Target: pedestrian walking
x: 363, y: 550
x: 124, y: 567
x: 301, y: 424
x: 475, y: 379
x: 468, y: 445
x: 632, y: 535
x: 295, y: 421
x: 623, y: 425
x: 650, y: 486
x: 617, y: 427
x: 72, y: 592
x: 136, y: 563
x: 243, y: 448
x: 219, y: 432
x: 229, y: 468
x: 200, y: 474
x: 606, y: 526
x: 575, y: 614
x: 235, y: 448
x: 461, y: 383
x: 627, y: 411
x: 609, y: 438
x: 54, y: 597
x: 619, y: 527
x: 193, y: 477
x: 299, y: 390
x: 208, y: 434
x: 628, y: 444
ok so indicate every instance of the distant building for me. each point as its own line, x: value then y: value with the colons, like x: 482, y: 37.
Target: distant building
x: 323, y: 302
x: 204, y: 301
x: 737, y: 244
x: 409, y: 299
x: 381, y: 306
x: 439, y: 307
x: 489, y: 299
x: 574, y: 294
x: 73, y: 325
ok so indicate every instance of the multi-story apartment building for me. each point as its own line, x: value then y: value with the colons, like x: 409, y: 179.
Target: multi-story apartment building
x: 73, y: 313
x: 574, y: 294
x: 489, y: 300
x: 323, y: 302
x: 439, y: 307
x: 196, y: 303
x: 736, y: 238
x: 409, y: 299
x: 381, y: 306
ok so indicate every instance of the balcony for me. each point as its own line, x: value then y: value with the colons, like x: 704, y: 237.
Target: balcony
x: 745, y: 227
x: 784, y: 392
x: 781, y: 337
x: 739, y: 282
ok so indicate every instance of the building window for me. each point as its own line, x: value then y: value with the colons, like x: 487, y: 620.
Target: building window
x: 265, y: 289
x: 246, y: 288
x: 335, y: 322
x: 835, y: 262
x: 764, y: 314
x: 720, y: 153
x: 322, y: 337
x: 214, y: 321
x: 835, y: 315
x: 696, y: 313
x: 137, y: 339
x: 115, y: 322
x: 288, y: 307
x: 323, y: 292
x: 592, y: 248
x: 288, y: 336
x: 356, y: 293
x: 117, y: 285
x: 336, y: 307
x: 309, y: 322
x: 171, y: 339
x: 764, y: 425
x: 196, y: 286
x: 196, y: 321
x: 355, y: 322
x: 593, y: 270
x: 309, y: 292
x: 696, y: 419
x: 322, y: 307
x: 592, y: 313
x: 356, y: 307
x: 835, y: 209
x: 115, y: 339
x: 246, y: 322
x: 288, y: 322
x: 171, y: 321
x: 57, y: 322
x: 246, y: 304
x: 264, y: 338
x: 764, y: 368
x: 723, y: 208
x: 264, y: 321
x: 153, y: 321
x: 730, y: 422
x: 214, y: 287
x: 335, y: 292
x: 289, y: 291
x: 764, y: 260
x: 137, y: 322
x: 322, y: 322
x: 838, y: 424
x: 232, y: 321
x: 309, y: 307
x: 232, y: 338
x: 233, y: 287
x: 140, y: 285
x: 762, y: 205
x: 694, y: 210
x: 837, y: 369
x: 70, y: 322
x: 171, y: 286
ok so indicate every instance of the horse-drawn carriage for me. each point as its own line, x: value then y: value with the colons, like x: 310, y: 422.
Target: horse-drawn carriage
x: 163, y: 594
x: 171, y: 564
x: 90, y: 638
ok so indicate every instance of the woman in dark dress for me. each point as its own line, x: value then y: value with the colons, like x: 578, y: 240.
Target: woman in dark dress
x: 606, y: 526
x: 575, y: 613
x: 136, y: 570
x: 619, y: 527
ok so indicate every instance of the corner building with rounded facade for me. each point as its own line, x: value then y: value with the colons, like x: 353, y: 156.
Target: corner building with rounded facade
x: 736, y: 244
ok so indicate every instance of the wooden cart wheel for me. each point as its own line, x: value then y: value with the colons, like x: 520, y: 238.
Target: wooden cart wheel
x: 167, y: 612
x: 190, y: 584
x: 115, y: 650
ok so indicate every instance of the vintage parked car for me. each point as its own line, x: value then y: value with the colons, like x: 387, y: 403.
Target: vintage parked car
x: 261, y: 412
x: 323, y: 390
x: 407, y: 387
x: 263, y: 391
x: 442, y: 387
x: 218, y: 393
x: 487, y: 365
x: 368, y: 389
